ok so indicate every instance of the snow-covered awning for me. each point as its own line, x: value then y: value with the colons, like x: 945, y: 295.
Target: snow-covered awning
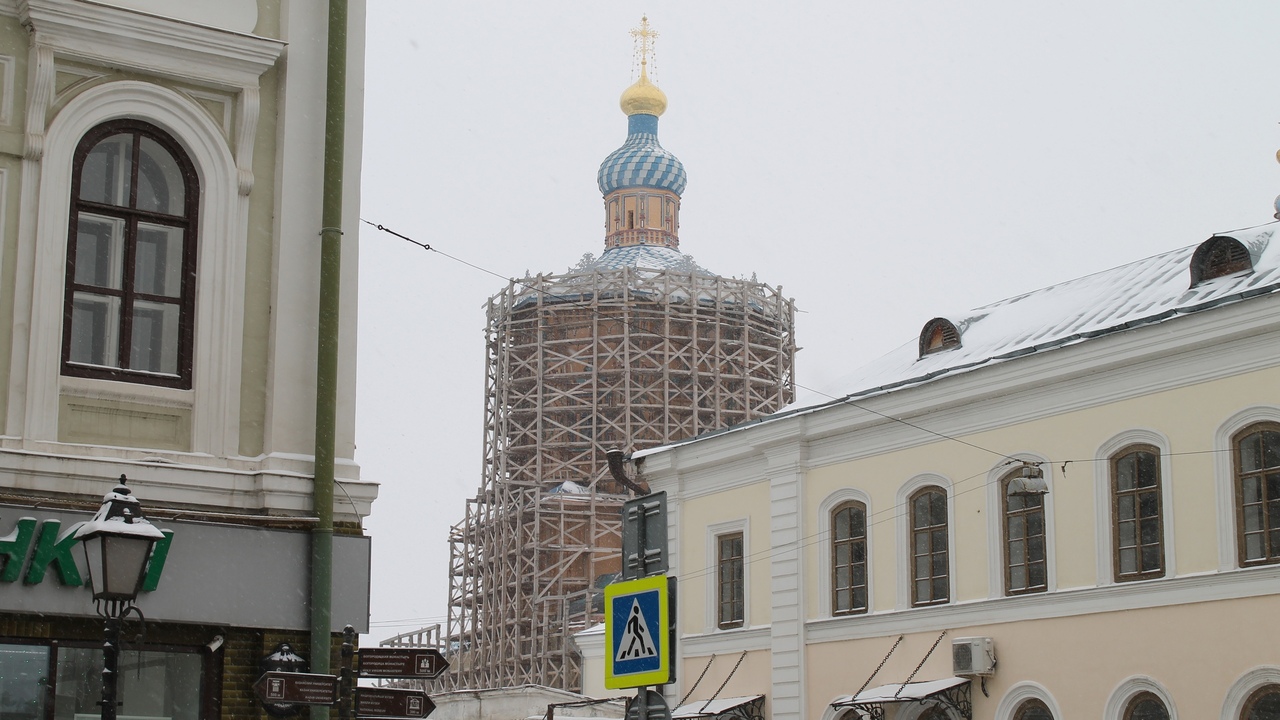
x: 750, y: 707
x: 952, y: 692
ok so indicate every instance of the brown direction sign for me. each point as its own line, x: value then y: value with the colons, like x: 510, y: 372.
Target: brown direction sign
x: 395, y: 662
x: 380, y: 703
x: 297, y: 688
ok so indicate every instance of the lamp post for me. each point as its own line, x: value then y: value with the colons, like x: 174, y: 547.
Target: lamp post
x: 117, y: 544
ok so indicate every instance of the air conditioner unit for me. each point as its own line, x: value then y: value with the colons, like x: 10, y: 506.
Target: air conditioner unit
x: 973, y: 656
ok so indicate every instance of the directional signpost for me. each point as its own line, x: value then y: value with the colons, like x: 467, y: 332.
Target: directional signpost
x: 402, y: 662
x: 381, y: 702
x: 297, y: 688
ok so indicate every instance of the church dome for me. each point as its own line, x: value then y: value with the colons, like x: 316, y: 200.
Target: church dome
x: 642, y: 162
x: 643, y: 98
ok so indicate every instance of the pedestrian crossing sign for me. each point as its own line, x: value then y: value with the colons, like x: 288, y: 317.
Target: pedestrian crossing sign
x: 637, y: 626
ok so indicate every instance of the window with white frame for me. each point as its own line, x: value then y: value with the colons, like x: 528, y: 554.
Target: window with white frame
x: 849, y: 559
x: 131, y: 257
x: 1257, y: 485
x: 730, y: 581
x: 1137, y: 514
x: 1025, y: 554
x: 930, y: 558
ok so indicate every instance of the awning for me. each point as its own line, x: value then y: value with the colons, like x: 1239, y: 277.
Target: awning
x: 750, y: 707
x: 952, y: 692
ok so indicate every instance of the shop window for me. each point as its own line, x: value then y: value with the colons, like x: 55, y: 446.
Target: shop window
x: 1033, y: 710
x: 1257, y: 484
x: 849, y: 559
x: 152, y: 684
x: 1146, y: 706
x: 1025, y: 564
x: 1137, y: 525
x: 731, y: 595
x: 130, y: 283
x: 24, y: 676
x: 1263, y: 704
x: 930, y: 563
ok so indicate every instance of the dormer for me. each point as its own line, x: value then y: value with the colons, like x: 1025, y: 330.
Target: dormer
x: 1217, y: 257
x: 939, y: 334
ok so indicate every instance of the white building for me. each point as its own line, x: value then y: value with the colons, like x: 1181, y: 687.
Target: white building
x: 160, y: 202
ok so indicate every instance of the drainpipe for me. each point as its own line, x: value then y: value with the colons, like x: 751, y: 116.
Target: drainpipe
x: 327, y: 346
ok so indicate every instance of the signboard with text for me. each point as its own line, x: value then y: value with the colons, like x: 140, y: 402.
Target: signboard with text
x: 382, y: 702
x: 401, y: 662
x: 277, y: 687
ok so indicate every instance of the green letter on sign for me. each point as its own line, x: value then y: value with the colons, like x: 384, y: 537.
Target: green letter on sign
x: 14, y: 548
x: 155, y: 565
x: 54, y: 550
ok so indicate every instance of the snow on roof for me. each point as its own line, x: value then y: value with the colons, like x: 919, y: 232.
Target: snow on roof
x: 1144, y: 292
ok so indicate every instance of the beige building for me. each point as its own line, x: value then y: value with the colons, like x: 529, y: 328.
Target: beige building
x: 866, y: 557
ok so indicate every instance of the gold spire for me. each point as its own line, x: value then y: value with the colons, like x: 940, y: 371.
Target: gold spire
x: 643, y: 97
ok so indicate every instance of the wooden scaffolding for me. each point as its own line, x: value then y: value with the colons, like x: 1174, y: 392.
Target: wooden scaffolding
x: 577, y: 364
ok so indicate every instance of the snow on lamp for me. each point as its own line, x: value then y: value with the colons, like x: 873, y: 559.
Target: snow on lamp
x: 117, y: 544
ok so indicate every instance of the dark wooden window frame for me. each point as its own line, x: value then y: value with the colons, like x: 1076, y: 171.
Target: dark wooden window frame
x: 1250, y: 704
x: 1132, y: 706
x: 928, y: 532
x: 1025, y: 514
x: 131, y: 215
x: 731, y: 595
x: 853, y: 543
x: 1026, y: 707
x: 1271, y: 552
x: 1114, y: 479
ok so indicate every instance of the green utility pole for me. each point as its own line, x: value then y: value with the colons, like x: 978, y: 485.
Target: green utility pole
x: 327, y: 346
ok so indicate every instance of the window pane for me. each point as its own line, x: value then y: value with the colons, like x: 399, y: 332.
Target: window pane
x: 1128, y: 560
x: 922, y: 566
x: 843, y: 577
x: 860, y: 552
x: 1035, y: 546
x: 1253, y: 518
x: 920, y: 511
x: 844, y: 600
x: 95, y: 329
x: 842, y: 554
x: 1125, y: 507
x: 1150, y: 558
x: 1150, y: 531
x: 858, y: 520
x: 1017, y: 577
x: 939, y: 588
x: 1128, y: 533
x: 1251, y: 452
x: 1035, y: 523
x: 1147, y: 506
x: 922, y: 591
x: 860, y: 598
x: 157, y: 266
x: 24, y: 675
x: 1252, y: 490
x: 1270, y: 449
x: 99, y: 254
x: 1148, y: 474
x: 154, y: 346
x: 939, y: 564
x: 163, y: 685
x: 105, y: 177
x: 1125, y: 475
x: 922, y: 543
x: 1033, y: 710
x: 1017, y: 553
x: 938, y: 502
x: 1037, y: 578
x: 160, y: 185
x: 1253, y: 547
x: 939, y: 540
x: 1017, y: 528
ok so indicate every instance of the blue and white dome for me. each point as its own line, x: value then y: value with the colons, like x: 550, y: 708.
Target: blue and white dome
x: 641, y: 162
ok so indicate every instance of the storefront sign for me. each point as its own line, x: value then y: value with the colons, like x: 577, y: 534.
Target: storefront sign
x: 215, y: 573
x: 56, y: 549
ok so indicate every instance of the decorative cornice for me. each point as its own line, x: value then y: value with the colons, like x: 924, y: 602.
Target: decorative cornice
x: 130, y: 40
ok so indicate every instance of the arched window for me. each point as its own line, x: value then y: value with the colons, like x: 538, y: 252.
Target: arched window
x: 938, y: 334
x: 1257, y: 485
x: 1219, y: 256
x: 1033, y: 710
x: 1136, y: 521
x: 1025, y: 564
x: 1263, y: 704
x: 1146, y: 706
x: 131, y: 257
x: 849, y: 559
x: 930, y: 574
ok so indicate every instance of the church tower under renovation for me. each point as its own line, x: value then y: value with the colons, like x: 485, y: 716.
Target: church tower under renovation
x: 633, y: 349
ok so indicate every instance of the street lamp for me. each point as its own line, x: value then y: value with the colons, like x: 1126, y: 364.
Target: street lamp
x: 117, y: 544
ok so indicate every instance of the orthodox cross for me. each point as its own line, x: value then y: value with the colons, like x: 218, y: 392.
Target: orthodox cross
x: 644, y: 37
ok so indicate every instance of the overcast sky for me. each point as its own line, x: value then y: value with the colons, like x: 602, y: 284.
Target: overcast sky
x: 885, y: 163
